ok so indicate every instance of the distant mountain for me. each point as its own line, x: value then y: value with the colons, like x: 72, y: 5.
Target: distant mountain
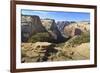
x: 52, y: 28
x: 76, y: 29
x: 47, y: 23
x: 31, y: 25
x: 62, y: 24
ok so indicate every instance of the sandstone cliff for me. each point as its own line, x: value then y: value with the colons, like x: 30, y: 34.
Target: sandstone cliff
x: 52, y: 28
x: 30, y: 25
x: 77, y: 28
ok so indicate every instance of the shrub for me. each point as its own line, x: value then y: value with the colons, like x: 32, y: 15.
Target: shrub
x: 84, y: 38
x: 42, y: 37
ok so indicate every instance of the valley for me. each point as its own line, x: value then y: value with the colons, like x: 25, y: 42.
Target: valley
x: 45, y: 40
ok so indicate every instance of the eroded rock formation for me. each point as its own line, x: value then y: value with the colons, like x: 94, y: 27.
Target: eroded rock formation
x: 30, y: 25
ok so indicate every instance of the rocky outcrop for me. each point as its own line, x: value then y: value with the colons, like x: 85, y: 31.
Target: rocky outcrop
x: 59, y: 31
x: 47, y: 23
x: 56, y: 31
x: 62, y: 24
x: 30, y: 25
x: 53, y: 30
x: 76, y: 29
x: 37, y: 52
x: 44, y: 52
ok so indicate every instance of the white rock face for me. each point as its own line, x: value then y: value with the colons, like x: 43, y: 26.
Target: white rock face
x: 47, y: 23
x: 76, y: 28
x: 52, y: 28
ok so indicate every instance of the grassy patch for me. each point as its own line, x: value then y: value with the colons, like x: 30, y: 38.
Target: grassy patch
x: 40, y: 37
x: 76, y: 40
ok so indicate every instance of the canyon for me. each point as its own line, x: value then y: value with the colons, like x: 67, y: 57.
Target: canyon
x: 50, y: 40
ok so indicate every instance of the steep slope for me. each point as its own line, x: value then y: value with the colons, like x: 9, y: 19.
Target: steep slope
x: 53, y: 30
x: 76, y: 29
x: 30, y: 25
x: 62, y: 24
x: 47, y: 23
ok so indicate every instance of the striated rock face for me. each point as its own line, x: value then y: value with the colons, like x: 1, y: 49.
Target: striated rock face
x: 29, y: 18
x: 60, y: 31
x: 56, y: 31
x: 52, y: 28
x: 47, y: 23
x: 76, y: 29
x: 62, y: 24
x: 30, y: 25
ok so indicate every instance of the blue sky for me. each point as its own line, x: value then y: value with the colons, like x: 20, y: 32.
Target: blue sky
x: 58, y: 15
